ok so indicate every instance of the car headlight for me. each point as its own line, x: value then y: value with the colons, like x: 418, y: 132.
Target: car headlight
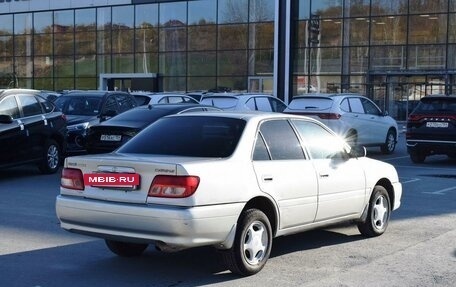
x: 78, y: 127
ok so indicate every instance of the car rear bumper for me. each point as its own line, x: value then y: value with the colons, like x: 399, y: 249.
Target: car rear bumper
x: 431, y: 146
x: 177, y: 227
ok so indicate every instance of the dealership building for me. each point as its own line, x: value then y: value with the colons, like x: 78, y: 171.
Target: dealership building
x: 393, y: 51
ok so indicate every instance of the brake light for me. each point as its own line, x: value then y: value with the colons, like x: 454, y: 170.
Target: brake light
x: 329, y: 116
x: 171, y: 186
x: 72, y: 178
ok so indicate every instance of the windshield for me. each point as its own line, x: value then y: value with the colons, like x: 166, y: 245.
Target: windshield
x: 193, y: 136
x: 80, y: 106
x: 432, y: 105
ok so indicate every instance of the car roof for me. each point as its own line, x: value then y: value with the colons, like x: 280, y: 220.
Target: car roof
x: 92, y: 93
x: 235, y: 95
x: 325, y: 95
x: 246, y: 115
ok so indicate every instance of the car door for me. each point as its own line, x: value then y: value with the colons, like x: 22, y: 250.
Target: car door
x: 341, y: 178
x: 12, y: 134
x: 375, y: 121
x: 35, y: 125
x: 284, y: 172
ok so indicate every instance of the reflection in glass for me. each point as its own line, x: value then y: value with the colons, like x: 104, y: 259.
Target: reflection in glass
x: 122, y: 41
x: 122, y: 63
x: 173, y: 14
x: 202, y: 64
x: 43, y: 44
x: 232, y: 36
x: 433, y: 29
x: 24, y: 66
x: 304, y: 9
x: 171, y: 84
x: 330, y: 32
x: 64, y: 84
x: 22, y: 23
x: 122, y: 17
x: 23, y: 45
x: 104, y: 42
x: 419, y: 6
x: 261, y: 62
x: 146, y: 40
x: 6, y: 66
x: 146, y: 16
x: 64, y: 43
x: 64, y: 21
x: 232, y: 63
x: 6, y: 47
x: 42, y: 84
x: 387, y: 58
x: 359, y: 60
x: 85, y: 19
x: 327, y: 9
x: 64, y: 66
x: 358, y: 8
x: 389, y: 7
x: 261, y: 10
x: 6, y: 24
x: 86, y: 66
x: 173, y: 64
x: 146, y: 63
x: 389, y: 30
x: 233, y: 11
x: 359, y: 31
x: 86, y: 83
x: 173, y: 39
x: 202, y: 12
x: 234, y: 83
x: 202, y: 38
x: 104, y: 18
x: 261, y: 36
x: 201, y: 83
x: 104, y: 64
x: 426, y: 57
x: 42, y: 22
x: 43, y: 67
x: 85, y: 43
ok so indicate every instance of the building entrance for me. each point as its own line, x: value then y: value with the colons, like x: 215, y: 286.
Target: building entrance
x: 398, y: 94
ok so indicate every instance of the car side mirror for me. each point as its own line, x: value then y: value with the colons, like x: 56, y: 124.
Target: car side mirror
x: 107, y: 115
x: 6, y: 119
x: 358, y: 151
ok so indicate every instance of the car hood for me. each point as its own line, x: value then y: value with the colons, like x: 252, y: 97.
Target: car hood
x: 75, y: 119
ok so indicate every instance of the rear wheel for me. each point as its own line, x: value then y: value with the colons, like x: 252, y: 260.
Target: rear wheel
x: 352, y: 138
x: 125, y: 249
x: 252, y: 244
x: 417, y: 157
x: 378, y: 213
x: 390, y: 143
x: 51, y: 157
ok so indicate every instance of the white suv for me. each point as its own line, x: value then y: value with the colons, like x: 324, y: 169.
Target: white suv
x: 354, y: 117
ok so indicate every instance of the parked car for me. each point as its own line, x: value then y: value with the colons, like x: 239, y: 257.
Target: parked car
x: 146, y: 98
x: 86, y: 108
x: 229, y: 180
x: 111, y: 134
x: 356, y: 118
x: 431, y: 128
x: 244, y: 102
x: 32, y: 130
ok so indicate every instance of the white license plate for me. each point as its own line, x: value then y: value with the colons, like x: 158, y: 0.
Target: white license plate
x: 436, y: 125
x: 111, y: 138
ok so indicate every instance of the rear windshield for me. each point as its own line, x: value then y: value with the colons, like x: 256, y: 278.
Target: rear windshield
x: 433, y: 105
x: 193, y: 136
x: 310, y: 103
x: 220, y: 102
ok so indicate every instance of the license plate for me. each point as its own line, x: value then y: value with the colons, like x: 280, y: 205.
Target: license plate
x: 113, y: 180
x: 111, y: 138
x: 436, y: 125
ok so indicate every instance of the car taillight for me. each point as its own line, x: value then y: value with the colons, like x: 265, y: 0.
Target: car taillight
x: 172, y: 186
x: 415, y: 118
x: 72, y: 178
x: 329, y: 116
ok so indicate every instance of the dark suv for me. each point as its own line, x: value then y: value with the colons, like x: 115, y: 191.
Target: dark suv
x: 86, y: 108
x: 431, y: 128
x: 32, y: 130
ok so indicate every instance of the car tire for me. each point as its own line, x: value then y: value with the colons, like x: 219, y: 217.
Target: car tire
x: 390, y: 143
x: 252, y: 244
x: 417, y: 157
x: 125, y: 249
x: 50, y: 162
x: 378, y: 213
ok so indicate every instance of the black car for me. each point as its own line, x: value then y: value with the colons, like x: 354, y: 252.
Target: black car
x: 86, y: 108
x: 32, y: 130
x: 111, y: 134
x: 431, y: 128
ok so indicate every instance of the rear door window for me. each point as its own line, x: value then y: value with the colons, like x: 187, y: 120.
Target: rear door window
x: 356, y: 106
x: 30, y: 106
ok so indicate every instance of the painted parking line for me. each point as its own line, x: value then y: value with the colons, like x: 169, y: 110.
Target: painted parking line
x: 440, y: 192
x: 410, y: 180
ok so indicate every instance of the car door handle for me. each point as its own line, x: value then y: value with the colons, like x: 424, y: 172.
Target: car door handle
x: 324, y: 174
x: 21, y: 125
x: 267, y: 178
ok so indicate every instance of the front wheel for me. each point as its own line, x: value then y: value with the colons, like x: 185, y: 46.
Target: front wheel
x: 378, y: 213
x: 390, y: 143
x: 51, y: 157
x: 125, y: 249
x: 252, y: 244
x: 417, y: 157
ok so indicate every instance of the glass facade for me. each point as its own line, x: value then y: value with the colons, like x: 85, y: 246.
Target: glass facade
x: 393, y: 51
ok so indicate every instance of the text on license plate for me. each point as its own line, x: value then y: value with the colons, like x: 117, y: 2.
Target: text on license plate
x: 111, y: 138
x: 112, y: 179
x: 436, y: 125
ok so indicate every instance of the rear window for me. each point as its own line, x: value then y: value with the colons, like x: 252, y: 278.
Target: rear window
x: 436, y: 105
x: 193, y: 136
x: 310, y: 103
x: 220, y: 102
x: 81, y: 106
